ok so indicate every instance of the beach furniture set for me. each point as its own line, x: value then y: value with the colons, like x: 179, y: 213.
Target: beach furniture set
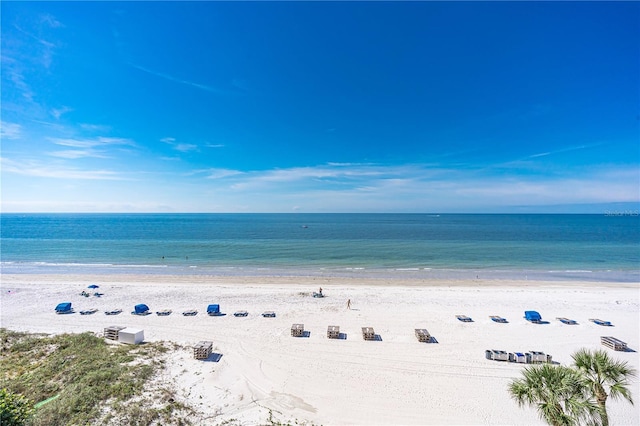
x: 422, y: 335
x: 202, y: 350
x: 531, y: 357
x: 297, y: 330
x: 128, y: 335
x: 613, y: 343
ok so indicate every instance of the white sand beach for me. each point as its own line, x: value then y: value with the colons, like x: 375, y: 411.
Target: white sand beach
x: 395, y: 380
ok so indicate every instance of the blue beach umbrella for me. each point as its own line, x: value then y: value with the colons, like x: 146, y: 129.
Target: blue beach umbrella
x: 93, y: 286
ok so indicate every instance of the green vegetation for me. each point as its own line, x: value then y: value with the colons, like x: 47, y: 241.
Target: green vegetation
x: 97, y: 383
x: 605, y: 378
x: 15, y: 409
x: 566, y: 396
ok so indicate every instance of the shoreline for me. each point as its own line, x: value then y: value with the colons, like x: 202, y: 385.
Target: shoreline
x: 395, y: 380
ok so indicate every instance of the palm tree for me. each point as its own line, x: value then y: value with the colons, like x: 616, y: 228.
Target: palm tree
x: 605, y: 377
x: 558, y: 392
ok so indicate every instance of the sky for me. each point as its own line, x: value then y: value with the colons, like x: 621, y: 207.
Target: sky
x: 449, y: 107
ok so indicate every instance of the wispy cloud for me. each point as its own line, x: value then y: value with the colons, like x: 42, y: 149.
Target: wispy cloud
x: 59, y: 112
x: 180, y: 146
x: 53, y: 171
x: 88, y: 148
x: 10, y: 130
x: 566, y: 149
x: 205, y: 87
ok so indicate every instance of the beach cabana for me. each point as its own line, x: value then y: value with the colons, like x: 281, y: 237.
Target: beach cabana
x: 532, y: 316
x: 64, y: 308
x: 214, y: 310
x: 141, y: 309
x: 496, y: 355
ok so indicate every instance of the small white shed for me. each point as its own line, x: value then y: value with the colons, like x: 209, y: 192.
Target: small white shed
x: 131, y: 336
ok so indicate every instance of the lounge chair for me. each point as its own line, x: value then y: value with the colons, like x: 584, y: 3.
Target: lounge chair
x: 317, y: 295
x: 600, y: 322
x: 533, y: 316
x: 567, y: 321
x: 64, y: 308
x: 190, y: 313
x: 89, y: 311
x: 496, y: 355
x: 297, y: 330
x: 141, y: 309
x: 164, y: 312
x: 422, y: 335
x: 240, y: 314
x: 333, y: 332
x: 368, y: 333
x: 113, y: 312
x: 613, y: 343
x: 496, y: 318
x: 464, y: 318
x: 269, y: 314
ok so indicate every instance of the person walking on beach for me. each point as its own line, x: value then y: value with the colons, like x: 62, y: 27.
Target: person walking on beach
x: 348, y: 303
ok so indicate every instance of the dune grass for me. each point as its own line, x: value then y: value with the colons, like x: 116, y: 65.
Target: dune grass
x: 97, y: 383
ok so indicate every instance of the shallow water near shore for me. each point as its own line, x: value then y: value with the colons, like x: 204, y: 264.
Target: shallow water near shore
x: 424, y: 246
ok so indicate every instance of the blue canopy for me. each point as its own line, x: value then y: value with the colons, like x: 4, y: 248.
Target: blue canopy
x: 213, y: 309
x: 93, y: 286
x: 141, y: 308
x: 532, y: 316
x: 63, y: 307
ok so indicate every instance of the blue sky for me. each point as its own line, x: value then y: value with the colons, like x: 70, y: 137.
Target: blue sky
x: 320, y: 106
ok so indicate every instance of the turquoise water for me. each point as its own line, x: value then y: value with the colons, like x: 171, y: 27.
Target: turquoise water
x: 591, y: 247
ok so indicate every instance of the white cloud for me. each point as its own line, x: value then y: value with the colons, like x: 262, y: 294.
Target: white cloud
x: 179, y: 146
x: 10, y: 130
x: 41, y: 170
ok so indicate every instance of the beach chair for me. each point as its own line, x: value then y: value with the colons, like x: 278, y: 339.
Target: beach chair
x: 141, y: 309
x: 613, y: 343
x: 464, y: 318
x: 89, y: 311
x: 600, y: 322
x: 496, y: 318
x: 496, y: 355
x: 333, y: 332
x: 113, y: 312
x: 422, y: 335
x: 297, y: 330
x: 240, y: 314
x: 532, y: 316
x: 190, y: 313
x: 567, y: 321
x: 64, y: 308
x: 164, y: 312
x: 368, y: 333
x: 202, y: 350
x: 269, y: 314
x: 214, y: 310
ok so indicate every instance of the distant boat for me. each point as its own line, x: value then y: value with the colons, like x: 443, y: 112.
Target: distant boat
x: 304, y: 226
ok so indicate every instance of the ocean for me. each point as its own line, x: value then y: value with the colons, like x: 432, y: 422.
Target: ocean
x: 429, y: 246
